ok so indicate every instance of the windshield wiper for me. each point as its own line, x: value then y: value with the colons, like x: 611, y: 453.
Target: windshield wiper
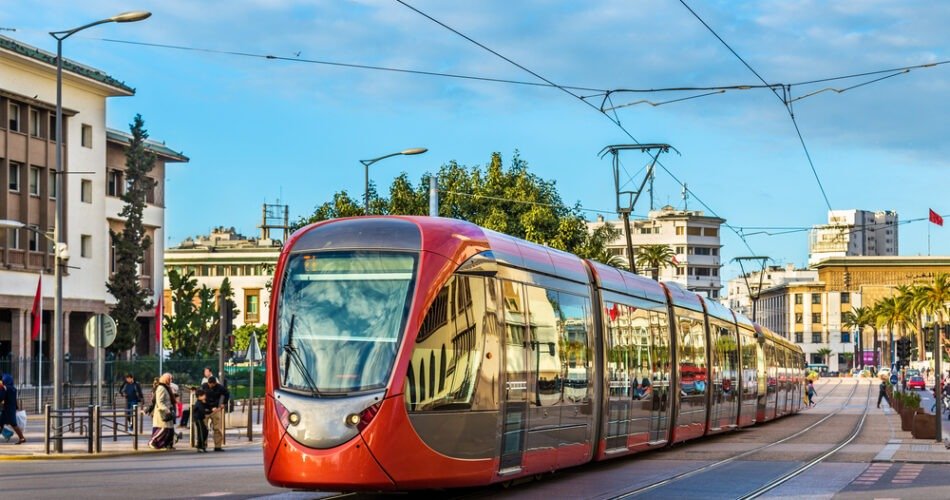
x: 291, y: 352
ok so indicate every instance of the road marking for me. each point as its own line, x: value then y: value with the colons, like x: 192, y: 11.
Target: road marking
x: 216, y: 494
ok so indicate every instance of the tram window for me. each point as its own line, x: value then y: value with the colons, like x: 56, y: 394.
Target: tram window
x: 637, y: 350
x: 447, y: 360
x: 726, y: 356
x: 570, y: 351
x: 692, y: 352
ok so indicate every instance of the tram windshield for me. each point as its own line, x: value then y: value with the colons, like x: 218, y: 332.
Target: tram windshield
x: 340, y: 318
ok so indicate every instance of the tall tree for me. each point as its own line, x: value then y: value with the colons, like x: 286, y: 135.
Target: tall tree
x: 131, y: 242
x: 934, y: 299
x: 654, y: 258
x: 192, y: 325
x: 509, y: 200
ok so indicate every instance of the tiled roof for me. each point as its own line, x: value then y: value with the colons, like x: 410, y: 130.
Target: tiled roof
x: 156, y: 147
x: 68, y: 65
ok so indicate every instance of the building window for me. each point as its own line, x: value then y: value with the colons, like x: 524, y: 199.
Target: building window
x: 252, y: 300
x: 816, y: 338
x: 701, y: 250
x: 798, y: 298
x: 694, y: 231
x: 14, y: 117
x: 845, y: 297
x: 714, y: 271
x: 86, y: 246
x: 52, y: 126
x: 715, y: 294
x: 798, y: 318
x: 710, y: 231
x: 680, y: 250
x: 815, y: 298
x: 85, y: 193
x: 114, y: 183
x: 679, y: 271
x: 35, y: 181
x: 13, y: 238
x: 816, y: 318
x: 35, y: 122
x: 714, y: 251
x: 14, y: 176
x: 799, y: 337
x: 86, y: 136
x: 53, y: 185
x: 702, y: 271
x: 679, y: 230
x: 846, y: 337
x: 33, y: 242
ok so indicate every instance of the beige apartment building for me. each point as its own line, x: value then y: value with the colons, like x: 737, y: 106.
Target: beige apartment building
x: 93, y: 163
x: 694, y: 238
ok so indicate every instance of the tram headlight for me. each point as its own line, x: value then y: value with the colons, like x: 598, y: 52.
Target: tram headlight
x: 362, y: 419
x: 293, y: 418
x: 352, y: 419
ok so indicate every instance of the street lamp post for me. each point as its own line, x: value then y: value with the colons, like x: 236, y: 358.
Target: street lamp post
x: 58, y: 234
x: 367, y: 163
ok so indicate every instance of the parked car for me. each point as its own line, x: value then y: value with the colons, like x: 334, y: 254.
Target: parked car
x: 913, y: 372
x: 884, y: 373
x: 917, y: 382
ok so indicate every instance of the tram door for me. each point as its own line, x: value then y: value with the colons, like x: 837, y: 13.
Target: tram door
x: 515, y: 375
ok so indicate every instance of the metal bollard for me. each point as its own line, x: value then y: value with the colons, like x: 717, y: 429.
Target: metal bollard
x: 90, y: 433
x: 46, y: 417
x: 115, y: 425
x: 97, y: 414
x: 135, y: 428
x: 249, y: 408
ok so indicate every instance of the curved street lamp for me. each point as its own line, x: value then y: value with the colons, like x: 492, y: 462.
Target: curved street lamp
x: 367, y: 163
x: 58, y: 236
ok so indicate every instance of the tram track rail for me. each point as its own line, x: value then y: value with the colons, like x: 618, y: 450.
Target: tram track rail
x: 782, y: 479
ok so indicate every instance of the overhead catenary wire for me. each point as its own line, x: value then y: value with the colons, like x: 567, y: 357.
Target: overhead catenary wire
x: 784, y: 98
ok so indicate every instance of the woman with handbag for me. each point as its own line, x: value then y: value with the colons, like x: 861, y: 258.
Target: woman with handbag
x: 163, y: 416
x: 8, y: 402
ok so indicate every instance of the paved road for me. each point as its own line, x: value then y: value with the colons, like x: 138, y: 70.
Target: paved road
x: 882, y: 463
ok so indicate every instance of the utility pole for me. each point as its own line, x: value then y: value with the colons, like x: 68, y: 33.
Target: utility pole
x: 626, y: 200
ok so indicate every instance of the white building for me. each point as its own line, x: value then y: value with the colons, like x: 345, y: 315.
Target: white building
x: 695, y: 241
x: 851, y: 233
x: 247, y: 263
x: 738, y: 289
x: 93, y: 162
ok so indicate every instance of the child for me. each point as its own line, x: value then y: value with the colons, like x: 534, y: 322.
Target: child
x: 198, y: 414
x: 811, y: 393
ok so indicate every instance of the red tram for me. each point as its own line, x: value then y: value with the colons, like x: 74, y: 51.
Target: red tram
x: 420, y: 352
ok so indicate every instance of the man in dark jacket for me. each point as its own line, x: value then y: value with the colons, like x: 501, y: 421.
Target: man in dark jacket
x: 133, y: 396
x: 217, y: 397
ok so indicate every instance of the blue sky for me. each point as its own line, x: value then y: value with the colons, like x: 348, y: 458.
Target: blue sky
x: 260, y: 129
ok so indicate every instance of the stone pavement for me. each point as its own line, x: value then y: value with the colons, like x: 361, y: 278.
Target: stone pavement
x: 34, y: 448
x: 901, y: 446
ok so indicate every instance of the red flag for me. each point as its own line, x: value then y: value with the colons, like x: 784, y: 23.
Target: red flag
x: 158, y: 321
x: 37, y: 310
x: 936, y: 218
x: 674, y: 261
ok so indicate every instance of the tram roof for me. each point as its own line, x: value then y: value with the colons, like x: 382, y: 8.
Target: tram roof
x: 623, y: 282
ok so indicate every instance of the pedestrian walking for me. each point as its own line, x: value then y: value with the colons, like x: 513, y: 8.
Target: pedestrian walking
x: 9, y: 407
x: 217, y: 397
x: 811, y: 394
x: 881, y: 392
x: 132, y: 392
x: 163, y: 416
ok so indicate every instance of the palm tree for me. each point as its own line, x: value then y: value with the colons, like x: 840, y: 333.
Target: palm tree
x: 933, y: 299
x: 824, y: 352
x: 865, y: 317
x: 856, y: 320
x: 917, y: 312
x: 655, y: 257
x: 613, y: 260
x: 885, y: 316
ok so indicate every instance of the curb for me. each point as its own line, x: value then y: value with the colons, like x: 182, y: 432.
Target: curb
x: 108, y: 454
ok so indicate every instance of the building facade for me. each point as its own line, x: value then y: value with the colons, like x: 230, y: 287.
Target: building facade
x: 851, y: 233
x: 740, y: 290
x: 29, y: 186
x: 247, y: 263
x: 694, y: 238
x: 812, y: 313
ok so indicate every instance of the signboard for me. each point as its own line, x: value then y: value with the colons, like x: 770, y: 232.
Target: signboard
x: 254, y: 350
x: 108, y: 326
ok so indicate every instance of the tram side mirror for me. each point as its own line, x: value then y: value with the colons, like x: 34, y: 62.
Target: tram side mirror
x: 483, y: 264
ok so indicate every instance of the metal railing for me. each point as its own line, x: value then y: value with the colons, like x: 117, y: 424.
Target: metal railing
x: 55, y: 428
x: 91, y: 421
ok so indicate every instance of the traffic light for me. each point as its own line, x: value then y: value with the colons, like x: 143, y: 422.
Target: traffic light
x: 903, y: 351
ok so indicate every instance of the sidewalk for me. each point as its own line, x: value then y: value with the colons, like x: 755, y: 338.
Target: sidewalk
x: 35, y: 449
x: 902, y: 447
